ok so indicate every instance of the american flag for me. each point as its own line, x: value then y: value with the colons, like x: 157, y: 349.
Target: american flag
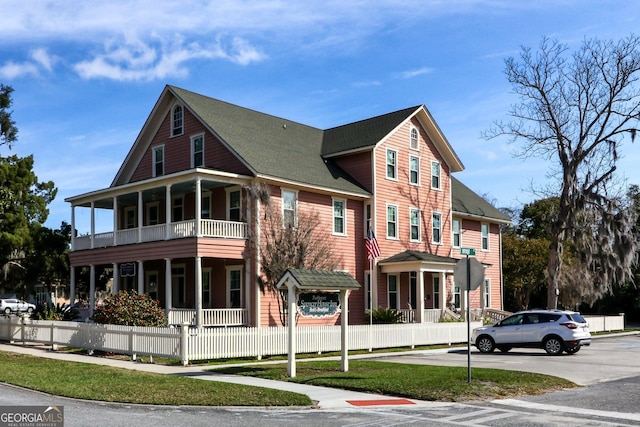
x: 373, y: 250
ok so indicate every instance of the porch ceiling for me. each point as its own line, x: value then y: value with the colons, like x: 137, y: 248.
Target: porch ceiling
x: 417, y: 261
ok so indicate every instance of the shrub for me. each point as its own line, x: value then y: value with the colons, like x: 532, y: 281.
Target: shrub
x: 382, y: 315
x: 130, y: 309
x: 55, y: 312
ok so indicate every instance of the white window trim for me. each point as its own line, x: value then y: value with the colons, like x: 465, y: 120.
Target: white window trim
x: 295, y: 207
x: 386, y: 224
x: 487, y: 293
x: 397, y: 292
x: 431, y: 175
x: 149, y: 205
x: 453, y: 232
x: 193, y: 147
x: 436, y: 295
x: 344, y: 216
x: 229, y: 269
x: 206, y: 304
x: 411, y: 211
x: 153, y: 160
x: 488, y: 248
x: 184, y: 289
x: 439, y: 228
x: 126, y: 210
x: 386, y: 164
x: 173, y: 108
x: 417, y: 146
x: 230, y: 190
x: 367, y: 216
x: 411, y: 157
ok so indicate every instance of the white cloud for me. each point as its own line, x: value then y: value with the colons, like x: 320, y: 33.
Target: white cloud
x: 409, y: 74
x: 40, y: 59
x: 134, y: 59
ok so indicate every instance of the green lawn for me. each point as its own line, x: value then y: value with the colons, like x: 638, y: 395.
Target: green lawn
x: 96, y: 382
x: 421, y: 382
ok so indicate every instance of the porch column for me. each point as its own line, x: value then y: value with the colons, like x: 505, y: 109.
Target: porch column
x: 167, y: 211
x: 167, y: 285
x: 73, y: 227
x: 199, y: 314
x: 115, y: 221
x: 256, y: 264
x: 140, y: 277
x: 93, y: 224
x: 344, y: 336
x: 420, y: 297
x: 92, y: 288
x: 72, y: 285
x: 291, y: 324
x: 198, y: 206
x: 116, y: 279
x: 140, y: 217
x: 444, y: 289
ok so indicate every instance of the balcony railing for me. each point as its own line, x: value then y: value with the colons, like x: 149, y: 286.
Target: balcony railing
x: 430, y: 315
x: 210, y: 316
x: 154, y: 233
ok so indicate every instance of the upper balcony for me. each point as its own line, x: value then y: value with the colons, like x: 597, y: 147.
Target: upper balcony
x: 196, y: 203
x: 152, y: 233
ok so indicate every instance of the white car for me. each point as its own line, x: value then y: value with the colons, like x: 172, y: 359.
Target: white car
x: 553, y: 330
x: 10, y: 305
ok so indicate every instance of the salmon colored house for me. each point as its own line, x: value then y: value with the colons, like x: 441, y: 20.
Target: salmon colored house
x: 181, y: 215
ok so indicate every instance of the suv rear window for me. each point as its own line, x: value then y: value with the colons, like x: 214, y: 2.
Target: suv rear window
x: 576, y: 317
x: 548, y: 317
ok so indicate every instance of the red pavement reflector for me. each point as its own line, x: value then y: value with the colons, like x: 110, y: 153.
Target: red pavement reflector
x: 380, y: 402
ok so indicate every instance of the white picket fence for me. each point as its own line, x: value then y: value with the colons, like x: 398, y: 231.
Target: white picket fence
x: 187, y: 343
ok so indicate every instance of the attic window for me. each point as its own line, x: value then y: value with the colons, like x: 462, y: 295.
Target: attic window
x: 176, y: 123
x: 413, y: 141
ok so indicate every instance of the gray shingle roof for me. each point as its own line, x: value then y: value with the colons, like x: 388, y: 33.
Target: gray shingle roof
x: 465, y: 201
x: 271, y: 146
x: 408, y: 256
x: 323, y: 279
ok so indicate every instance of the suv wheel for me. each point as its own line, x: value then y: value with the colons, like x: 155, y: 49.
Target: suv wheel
x: 485, y: 344
x: 7, y: 310
x: 553, y: 346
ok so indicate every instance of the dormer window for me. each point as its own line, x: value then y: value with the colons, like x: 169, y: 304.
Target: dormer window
x: 177, y: 121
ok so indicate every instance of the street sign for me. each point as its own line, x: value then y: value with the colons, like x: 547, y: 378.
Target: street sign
x: 476, y: 276
x: 467, y: 251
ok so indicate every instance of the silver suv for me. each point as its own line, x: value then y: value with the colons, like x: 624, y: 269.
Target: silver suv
x: 554, y: 330
x: 15, y: 305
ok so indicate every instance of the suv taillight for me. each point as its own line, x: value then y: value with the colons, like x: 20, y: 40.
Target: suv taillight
x: 569, y: 325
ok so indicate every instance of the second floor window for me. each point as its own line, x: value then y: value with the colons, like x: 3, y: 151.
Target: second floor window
x: 158, y: 161
x: 197, y: 151
x: 392, y: 164
x: 392, y: 221
x: 234, y: 205
x: 177, y: 209
x: 415, y: 224
x: 414, y: 170
x: 339, y: 216
x: 457, y: 236
x: 392, y: 291
x: 176, y: 122
x: 435, y: 175
x: 484, y: 233
x: 289, y: 208
x: 437, y: 228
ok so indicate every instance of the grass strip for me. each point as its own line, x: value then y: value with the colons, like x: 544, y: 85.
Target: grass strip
x: 104, y: 383
x: 423, y: 382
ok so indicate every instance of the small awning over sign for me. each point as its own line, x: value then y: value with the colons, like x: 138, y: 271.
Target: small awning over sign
x: 318, y: 280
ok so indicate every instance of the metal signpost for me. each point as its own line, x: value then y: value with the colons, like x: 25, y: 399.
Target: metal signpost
x: 471, y: 272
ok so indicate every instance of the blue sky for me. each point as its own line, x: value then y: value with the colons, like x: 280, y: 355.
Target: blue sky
x: 87, y: 74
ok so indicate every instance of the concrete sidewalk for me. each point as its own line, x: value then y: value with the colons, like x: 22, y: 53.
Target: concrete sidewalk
x: 323, y: 397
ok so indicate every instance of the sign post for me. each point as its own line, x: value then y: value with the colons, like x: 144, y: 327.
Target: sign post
x: 471, y: 272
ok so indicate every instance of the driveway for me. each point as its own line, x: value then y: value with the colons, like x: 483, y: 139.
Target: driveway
x: 608, y: 358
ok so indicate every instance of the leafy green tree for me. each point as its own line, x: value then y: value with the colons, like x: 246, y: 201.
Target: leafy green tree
x: 575, y: 111
x: 524, y: 263
x: 8, y: 130
x: 130, y: 309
